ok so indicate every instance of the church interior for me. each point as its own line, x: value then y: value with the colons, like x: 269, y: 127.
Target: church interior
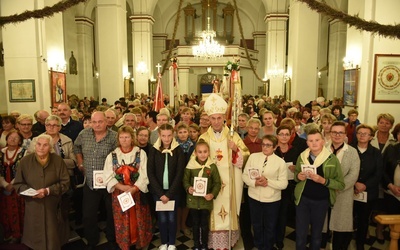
x: 111, y: 48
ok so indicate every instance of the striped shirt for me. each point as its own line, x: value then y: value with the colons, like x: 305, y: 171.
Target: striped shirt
x: 94, y: 153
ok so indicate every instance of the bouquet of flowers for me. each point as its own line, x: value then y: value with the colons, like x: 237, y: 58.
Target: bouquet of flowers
x: 232, y: 66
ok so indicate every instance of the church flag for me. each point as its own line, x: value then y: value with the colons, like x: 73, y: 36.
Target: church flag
x: 173, y: 69
x: 159, y: 99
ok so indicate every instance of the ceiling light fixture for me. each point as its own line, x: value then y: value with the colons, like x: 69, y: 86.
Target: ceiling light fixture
x: 208, y: 48
x: 141, y: 66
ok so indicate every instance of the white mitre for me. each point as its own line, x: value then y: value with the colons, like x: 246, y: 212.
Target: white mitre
x: 215, y: 104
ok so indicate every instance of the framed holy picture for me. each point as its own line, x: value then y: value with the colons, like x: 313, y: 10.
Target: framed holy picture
x: 22, y: 90
x: 58, y: 87
x: 350, y: 87
x: 386, y: 81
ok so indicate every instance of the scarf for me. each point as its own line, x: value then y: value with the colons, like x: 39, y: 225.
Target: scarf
x: 194, y: 164
x: 319, y: 160
x: 158, y: 143
x: 185, y: 145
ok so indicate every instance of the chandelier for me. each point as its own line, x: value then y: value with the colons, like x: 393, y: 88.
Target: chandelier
x: 208, y: 48
x: 275, y: 71
x: 141, y: 66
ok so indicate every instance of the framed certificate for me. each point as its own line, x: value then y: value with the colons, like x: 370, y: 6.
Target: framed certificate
x: 308, y: 169
x: 22, y: 90
x: 98, y: 179
x: 254, y: 173
x: 126, y: 201
x: 200, y: 186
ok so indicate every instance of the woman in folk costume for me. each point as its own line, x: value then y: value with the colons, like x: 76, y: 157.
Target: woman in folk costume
x: 125, y: 170
x: 229, y: 154
x: 11, y: 204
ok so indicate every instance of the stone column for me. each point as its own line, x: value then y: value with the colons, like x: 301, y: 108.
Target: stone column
x: 112, y: 48
x: 185, y: 87
x: 159, y: 41
x: 142, y: 39
x: 276, y: 50
x: 303, y: 51
x: 337, y: 51
x: 260, y: 45
x: 87, y: 67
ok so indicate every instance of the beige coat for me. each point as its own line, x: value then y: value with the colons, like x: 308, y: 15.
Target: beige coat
x: 342, y: 211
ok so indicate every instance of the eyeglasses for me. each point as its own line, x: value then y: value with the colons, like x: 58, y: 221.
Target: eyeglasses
x: 12, y: 138
x: 52, y: 125
x: 25, y: 124
x: 267, y: 145
x: 337, y: 133
x: 284, y: 135
x: 363, y: 134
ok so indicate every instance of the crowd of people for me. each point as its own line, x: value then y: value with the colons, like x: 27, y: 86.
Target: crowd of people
x: 190, y: 172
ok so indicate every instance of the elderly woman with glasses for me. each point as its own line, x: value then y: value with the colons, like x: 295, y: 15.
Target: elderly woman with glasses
x: 266, y: 175
x: 45, y: 173
x: 62, y: 144
x: 371, y: 170
x: 289, y: 148
x: 24, y: 125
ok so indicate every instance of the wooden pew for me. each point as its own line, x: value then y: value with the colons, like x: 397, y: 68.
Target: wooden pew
x: 394, y: 224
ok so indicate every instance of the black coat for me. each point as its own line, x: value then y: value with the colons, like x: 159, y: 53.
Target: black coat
x: 391, y: 158
x: 371, y: 170
x: 155, y: 172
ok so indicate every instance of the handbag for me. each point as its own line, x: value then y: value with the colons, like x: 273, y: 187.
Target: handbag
x: 78, y: 179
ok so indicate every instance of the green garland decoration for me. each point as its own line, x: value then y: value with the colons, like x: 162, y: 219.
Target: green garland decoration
x: 47, y: 11
x: 391, y: 31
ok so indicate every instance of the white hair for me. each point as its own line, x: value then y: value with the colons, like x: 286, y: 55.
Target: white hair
x: 48, y: 138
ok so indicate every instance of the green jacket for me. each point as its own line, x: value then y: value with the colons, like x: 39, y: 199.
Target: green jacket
x: 332, y: 171
x: 213, y: 185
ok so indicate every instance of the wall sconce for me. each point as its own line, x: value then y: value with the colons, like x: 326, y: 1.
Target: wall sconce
x: 209, y: 69
x: 287, y: 76
x: 127, y: 76
x: 348, y: 63
x: 55, y: 60
x: 319, y: 74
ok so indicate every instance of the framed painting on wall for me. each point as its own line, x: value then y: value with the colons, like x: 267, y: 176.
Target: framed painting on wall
x: 386, y: 81
x: 58, y: 88
x: 350, y: 87
x: 22, y: 90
